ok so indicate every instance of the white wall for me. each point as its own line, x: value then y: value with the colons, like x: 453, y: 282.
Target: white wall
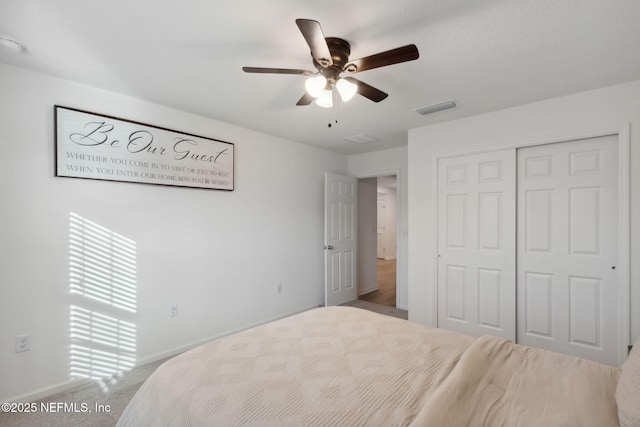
x: 584, y: 113
x: 390, y: 162
x: 367, y: 235
x: 218, y: 255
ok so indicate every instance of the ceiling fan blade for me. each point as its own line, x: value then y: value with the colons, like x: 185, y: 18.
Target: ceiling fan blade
x: 382, y: 59
x: 312, y: 33
x: 276, y: 71
x: 368, y: 91
x: 305, y: 100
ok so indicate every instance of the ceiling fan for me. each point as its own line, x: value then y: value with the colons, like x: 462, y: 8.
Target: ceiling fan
x: 331, y: 59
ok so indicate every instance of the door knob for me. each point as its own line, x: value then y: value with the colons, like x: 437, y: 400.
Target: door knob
x: 328, y: 247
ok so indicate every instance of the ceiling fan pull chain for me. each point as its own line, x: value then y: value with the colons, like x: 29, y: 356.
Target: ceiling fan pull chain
x: 333, y: 121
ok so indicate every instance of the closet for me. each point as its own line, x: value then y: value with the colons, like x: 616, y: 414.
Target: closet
x: 527, y: 246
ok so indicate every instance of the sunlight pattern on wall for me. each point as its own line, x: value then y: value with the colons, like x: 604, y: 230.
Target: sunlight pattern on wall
x: 102, y: 264
x: 102, y: 284
x: 101, y: 345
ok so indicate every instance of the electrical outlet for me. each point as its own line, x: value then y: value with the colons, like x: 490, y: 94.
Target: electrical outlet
x: 279, y: 288
x: 173, y: 310
x: 23, y: 343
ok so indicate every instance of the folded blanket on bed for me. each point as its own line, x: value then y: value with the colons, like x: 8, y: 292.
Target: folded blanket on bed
x: 499, y: 383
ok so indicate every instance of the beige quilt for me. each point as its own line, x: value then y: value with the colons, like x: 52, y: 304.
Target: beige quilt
x: 498, y: 383
x: 343, y: 366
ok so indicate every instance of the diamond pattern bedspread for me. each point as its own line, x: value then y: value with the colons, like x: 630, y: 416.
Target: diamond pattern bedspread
x: 333, y: 366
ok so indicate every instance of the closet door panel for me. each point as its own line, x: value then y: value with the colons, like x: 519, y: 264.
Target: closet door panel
x: 476, y: 244
x: 568, y: 287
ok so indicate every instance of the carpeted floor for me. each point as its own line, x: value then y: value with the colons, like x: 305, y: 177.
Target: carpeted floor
x: 379, y: 308
x: 114, y: 395
x: 104, y: 403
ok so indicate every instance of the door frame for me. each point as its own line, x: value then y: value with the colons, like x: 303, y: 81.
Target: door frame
x: 399, y: 252
x: 622, y: 132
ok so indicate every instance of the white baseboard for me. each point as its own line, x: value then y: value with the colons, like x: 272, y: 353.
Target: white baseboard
x: 367, y: 291
x: 43, y: 392
x: 47, y: 391
x: 181, y: 349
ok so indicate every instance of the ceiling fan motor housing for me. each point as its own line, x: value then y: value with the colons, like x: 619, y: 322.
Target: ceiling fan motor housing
x: 340, y: 50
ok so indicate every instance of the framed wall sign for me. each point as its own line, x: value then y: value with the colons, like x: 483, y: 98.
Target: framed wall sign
x: 95, y: 146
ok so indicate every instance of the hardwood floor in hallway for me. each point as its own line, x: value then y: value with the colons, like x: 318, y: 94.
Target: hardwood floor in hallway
x: 386, y: 293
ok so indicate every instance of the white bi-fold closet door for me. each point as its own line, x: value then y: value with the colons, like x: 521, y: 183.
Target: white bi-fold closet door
x: 527, y: 246
x: 568, y: 287
x: 477, y: 243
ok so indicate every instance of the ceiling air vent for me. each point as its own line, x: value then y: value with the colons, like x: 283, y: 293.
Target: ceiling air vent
x: 360, y: 139
x: 436, y: 107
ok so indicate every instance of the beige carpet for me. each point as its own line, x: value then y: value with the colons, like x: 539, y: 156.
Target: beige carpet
x: 112, y: 397
x: 116, y: 393
x: 379, y: 308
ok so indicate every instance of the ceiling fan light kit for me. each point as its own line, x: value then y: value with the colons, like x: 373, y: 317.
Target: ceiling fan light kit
x: 315, y: 85
x: 320, y: 89
x: 346, y: 89
x: 325, y: 99
x: 331, y: 58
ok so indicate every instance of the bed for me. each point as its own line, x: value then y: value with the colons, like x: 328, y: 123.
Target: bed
x: 344, y: 366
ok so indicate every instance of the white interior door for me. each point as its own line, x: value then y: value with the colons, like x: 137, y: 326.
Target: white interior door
x: 476, y: 244
x: 568, y: 287
x: 340, y: 225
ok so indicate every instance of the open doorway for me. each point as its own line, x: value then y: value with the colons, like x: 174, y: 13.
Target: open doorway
x: 377, y: 242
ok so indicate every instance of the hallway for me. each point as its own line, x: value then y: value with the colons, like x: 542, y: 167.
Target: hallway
x: 386, y: 293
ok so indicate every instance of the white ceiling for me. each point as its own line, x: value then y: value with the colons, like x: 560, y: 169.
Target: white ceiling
x: 188, y: 54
